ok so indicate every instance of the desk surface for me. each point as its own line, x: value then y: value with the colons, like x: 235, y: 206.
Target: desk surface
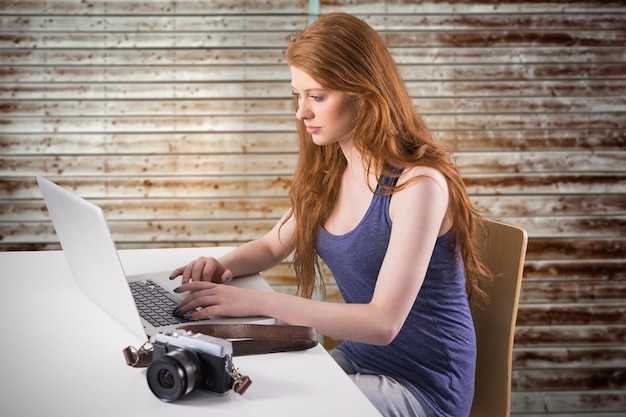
x: 62, y: 354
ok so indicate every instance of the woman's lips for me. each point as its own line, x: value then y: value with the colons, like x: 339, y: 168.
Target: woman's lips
x: 313, y: 129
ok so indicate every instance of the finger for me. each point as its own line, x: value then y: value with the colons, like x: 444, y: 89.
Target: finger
x: 227, y: 276
x: 204, y: 313
x: 210, y: 269
x: 198, y: 290
x: 175, y: 273
x: 194, y: 303
x: 187, y: 273
x: 193, y: 270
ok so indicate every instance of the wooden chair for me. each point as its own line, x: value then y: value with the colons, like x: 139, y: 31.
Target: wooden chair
x: 504, y: 251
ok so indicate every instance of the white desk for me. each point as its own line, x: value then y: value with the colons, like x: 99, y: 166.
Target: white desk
x: 62, y: 354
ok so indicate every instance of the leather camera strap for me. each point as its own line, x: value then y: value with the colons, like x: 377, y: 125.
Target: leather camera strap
x: 255, y: 339
x: 246, y: 339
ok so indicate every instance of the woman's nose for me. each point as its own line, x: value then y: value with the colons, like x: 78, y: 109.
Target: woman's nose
x: 303, y: 112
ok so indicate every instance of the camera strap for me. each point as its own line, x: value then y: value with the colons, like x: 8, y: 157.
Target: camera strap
x: 246, y: 339
x: 256, y: 339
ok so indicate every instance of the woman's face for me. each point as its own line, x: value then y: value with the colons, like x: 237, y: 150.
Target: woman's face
x: 327, y: 115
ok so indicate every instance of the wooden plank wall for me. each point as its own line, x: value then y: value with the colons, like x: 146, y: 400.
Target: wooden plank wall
x: 175, y: 117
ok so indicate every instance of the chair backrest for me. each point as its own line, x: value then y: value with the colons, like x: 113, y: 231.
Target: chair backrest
x: 504, y: 252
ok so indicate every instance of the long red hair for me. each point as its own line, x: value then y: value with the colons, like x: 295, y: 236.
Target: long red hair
x: 343, y: 53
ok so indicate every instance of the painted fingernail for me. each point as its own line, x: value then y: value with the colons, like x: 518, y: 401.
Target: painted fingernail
x: 176, y: 311
x: 227, y: 278
x: 187, y: 317
x: 176, y: 289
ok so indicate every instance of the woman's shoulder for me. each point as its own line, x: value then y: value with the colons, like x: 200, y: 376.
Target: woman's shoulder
x: 422, y: 172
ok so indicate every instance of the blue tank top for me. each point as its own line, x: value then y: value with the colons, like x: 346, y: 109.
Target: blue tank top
x: 435, y: 352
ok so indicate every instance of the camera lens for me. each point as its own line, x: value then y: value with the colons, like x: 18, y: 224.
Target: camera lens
x: 166, y: 379
x: 174, y: 375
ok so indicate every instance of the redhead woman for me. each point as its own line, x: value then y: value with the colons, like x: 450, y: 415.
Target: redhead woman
x: 381, y: 202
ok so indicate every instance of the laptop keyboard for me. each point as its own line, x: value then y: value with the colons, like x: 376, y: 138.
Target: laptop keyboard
x: 155, y: 303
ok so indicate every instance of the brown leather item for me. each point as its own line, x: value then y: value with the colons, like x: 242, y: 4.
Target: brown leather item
x: 247, y: 339
x: 255, y: 339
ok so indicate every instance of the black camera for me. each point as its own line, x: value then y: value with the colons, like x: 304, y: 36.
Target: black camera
x: 183, y: 361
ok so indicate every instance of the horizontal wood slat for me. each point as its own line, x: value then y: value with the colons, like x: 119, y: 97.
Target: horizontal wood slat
x: 264, y: 142
x: 247, y: 123
x: 137, y: 73
x: 204, y: 108
x: 18, y: 54
x: 283, y: 164
x: 279, y: 89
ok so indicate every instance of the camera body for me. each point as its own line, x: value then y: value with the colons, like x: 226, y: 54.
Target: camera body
x: 183, y: 361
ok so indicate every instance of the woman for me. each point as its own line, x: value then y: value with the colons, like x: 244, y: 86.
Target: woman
x: 379, y: 200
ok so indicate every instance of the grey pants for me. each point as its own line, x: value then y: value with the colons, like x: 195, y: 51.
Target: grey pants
x: 390, y: 397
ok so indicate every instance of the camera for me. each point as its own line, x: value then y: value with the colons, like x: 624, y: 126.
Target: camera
x: 183, y: 361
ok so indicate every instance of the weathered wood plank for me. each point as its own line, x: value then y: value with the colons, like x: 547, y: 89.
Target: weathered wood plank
x: 571, y: 314
x: 505, y: 38
x: 12, y: 210
x: 206, y: 22
x: 451, y: 21
x: 45, y: 54
x: 150, y: 231
x: 227, y: 7
x: 161, y: 108
x: 568, y: 269
x: 134, y: 74
x: 568, y: 380
x: 286, y: 22
x: 557, y: 183
x: 133, y: 165
x: 148, y: 143
x: 524, y: 403
x: 152, y: 56
x: 538, y: 205
x: 177, y: 187
x: 167, y: 7
x: 559, y: 87
x: 574, y: 291
x: 471, y: 7
x: 173, y: 106
x: 236, y: 89
x: 611, y: 285
x: 568, y: 357
x: 272, y: 39
x: 151, y: 124
x: 598, y: 335
x: 131, y: 204
x: 284, y: 164
x: 530, y: 121
x: 141, y: 40
x: 556, y: 248
x: 578, y: 414
x: 161, y: 209
x: 528, y: 140
x: 258, y: 186
x: 219, y: 142
x: 155, y: 90
x: 426, y: 72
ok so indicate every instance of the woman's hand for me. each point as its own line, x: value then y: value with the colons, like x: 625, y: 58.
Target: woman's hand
x: 203, y: 269
x: 208, y: 299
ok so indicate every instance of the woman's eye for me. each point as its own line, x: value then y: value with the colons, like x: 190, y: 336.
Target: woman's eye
x: 317, y: 98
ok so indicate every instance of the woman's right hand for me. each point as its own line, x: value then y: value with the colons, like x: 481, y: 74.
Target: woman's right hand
x: 203, y: 269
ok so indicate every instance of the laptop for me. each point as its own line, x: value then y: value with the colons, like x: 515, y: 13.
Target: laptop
x: 90, y: 250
